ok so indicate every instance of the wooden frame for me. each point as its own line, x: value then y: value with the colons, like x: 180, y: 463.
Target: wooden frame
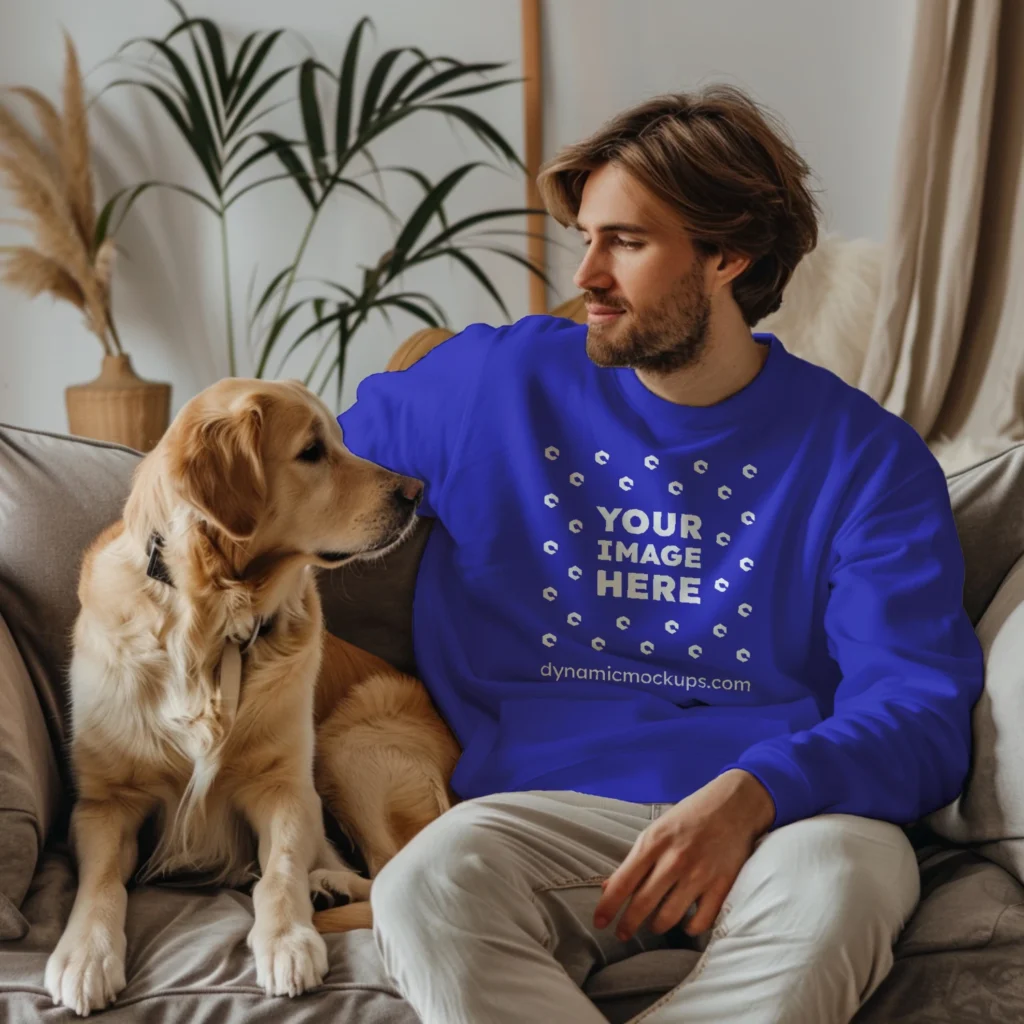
x: 533, y: 115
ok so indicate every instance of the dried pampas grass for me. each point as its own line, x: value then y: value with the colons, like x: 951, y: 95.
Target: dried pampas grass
x: 53, y: 185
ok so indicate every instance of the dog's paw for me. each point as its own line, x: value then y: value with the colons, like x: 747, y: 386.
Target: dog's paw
x: 289, y: 961
x: 329, y: 887
x: 85, y: 972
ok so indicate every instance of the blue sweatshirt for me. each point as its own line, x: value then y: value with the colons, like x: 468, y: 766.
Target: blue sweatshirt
x: 626, y: 597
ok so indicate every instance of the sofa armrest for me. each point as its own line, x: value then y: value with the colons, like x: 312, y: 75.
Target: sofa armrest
x: 417, y: 345
x: 29, y: 784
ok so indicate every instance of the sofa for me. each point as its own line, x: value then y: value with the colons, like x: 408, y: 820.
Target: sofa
x: 960, y: 958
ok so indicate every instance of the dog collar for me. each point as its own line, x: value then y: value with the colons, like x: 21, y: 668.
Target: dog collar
x: 157, y: 569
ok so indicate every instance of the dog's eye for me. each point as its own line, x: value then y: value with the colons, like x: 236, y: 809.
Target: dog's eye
x: 314, y: 453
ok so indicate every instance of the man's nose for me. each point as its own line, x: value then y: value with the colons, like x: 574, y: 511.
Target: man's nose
x: 592, y: 275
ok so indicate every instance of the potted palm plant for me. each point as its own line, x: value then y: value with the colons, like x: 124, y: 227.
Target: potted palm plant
x: 72, y: 258
x: 216, y: 96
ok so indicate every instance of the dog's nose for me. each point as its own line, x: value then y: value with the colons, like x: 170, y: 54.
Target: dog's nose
x: 409, y: 492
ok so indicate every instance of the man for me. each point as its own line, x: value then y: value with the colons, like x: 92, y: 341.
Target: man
x: 691, y: 605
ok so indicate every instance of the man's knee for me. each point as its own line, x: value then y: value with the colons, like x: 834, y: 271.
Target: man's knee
x: 464, y: 849
x: 834, y: 874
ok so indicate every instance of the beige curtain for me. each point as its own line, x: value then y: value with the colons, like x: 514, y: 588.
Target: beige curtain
x: 947, y: 348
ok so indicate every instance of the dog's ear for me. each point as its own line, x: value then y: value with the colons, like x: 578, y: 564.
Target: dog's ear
x: 221, y: 469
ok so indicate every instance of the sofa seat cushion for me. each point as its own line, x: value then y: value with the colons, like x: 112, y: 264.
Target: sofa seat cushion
x: 961, y: 956
x: 188, y: 962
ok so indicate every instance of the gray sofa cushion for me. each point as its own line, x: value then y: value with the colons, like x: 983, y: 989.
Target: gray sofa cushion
x: 56, y: 494
x: 990, y: 811
x: 370, y: 603
x: 188, y: 961
x: 988, y: 502
x: 29, y: 785
x: 961, y: 957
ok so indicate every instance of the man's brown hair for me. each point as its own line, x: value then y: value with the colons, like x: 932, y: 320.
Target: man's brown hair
x: 724, y: 164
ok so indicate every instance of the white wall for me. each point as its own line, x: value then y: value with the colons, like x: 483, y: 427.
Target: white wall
x: 834, y: 71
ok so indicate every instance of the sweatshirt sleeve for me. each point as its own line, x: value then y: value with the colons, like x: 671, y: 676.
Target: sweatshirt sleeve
x: 898, y: 743
x: 410, y: 421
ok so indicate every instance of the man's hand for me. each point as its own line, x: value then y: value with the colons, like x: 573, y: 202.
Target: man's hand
x: 692, y: 853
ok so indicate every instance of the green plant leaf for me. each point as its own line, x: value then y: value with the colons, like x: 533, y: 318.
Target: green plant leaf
x: 484, y: 131
x: 181, y: 121
x: 323, y: 349
x: 244, y: 80
x: 103, y: 229
x: 409, y: 307
x: 245, y: 189
x: 239, y: 122
x: 375, y: 83
x: 318, y: 325
x: 282, y: 149
x: 253, y: 158
x: 366, y: 194
x: 214, y: 95
x: 427, y: 208
x: 395, y: 94
x: 474, y: 268
x: 346, y: 88
x: 312, y: 121
x: 472, y: 221
x: 200, y: 135
x: 259, y: 115
x: 275, y: 332
x: 472, y: 90
x: 268, y: 292
x: 214, y: 43
x: 426, y: 300
x: 236, y: 66
x: 442, y: 78
x: 517, y: 257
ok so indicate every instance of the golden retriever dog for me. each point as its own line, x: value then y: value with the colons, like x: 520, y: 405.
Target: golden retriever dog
x: 193, y: 687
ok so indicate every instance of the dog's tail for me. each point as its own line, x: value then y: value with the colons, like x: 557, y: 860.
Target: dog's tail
x: 348, y: 918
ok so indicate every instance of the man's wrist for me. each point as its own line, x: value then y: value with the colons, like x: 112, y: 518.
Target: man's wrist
x: 757, y: 804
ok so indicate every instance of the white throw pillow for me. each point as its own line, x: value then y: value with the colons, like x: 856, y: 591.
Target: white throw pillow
x: 990, y: 810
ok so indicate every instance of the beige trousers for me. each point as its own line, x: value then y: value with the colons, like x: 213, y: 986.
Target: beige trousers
x: 486, y: 917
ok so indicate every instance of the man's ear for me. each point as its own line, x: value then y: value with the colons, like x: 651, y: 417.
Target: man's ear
x: 728, y: 266
x: 220, y: 469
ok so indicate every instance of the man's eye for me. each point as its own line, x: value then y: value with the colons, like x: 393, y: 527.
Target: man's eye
x: 628, y: 243
x: 314, y: 453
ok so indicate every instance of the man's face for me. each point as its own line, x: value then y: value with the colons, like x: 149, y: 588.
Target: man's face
x: 647, y: 299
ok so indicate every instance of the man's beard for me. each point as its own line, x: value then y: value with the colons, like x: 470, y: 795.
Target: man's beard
x: 660, y: 340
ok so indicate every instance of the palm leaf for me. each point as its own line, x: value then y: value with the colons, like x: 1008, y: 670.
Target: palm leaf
x: 375, y: 84
x: 476, y: 218
x: 312, y: 121
x: 474, y: 268
x: 103, y: 229
x: 427, y: 208
x: 346, y: 88
x: 397, y: 91
x: 277, y: 327
x: 483, y: 130
x: 239, y: 122
x: 244, y: 79
x: 472, y: 90
x: 236, y: 66
x: 214, y: 43
x: 284, y: 152
x: 442, y: 78
x: 275, y: 283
